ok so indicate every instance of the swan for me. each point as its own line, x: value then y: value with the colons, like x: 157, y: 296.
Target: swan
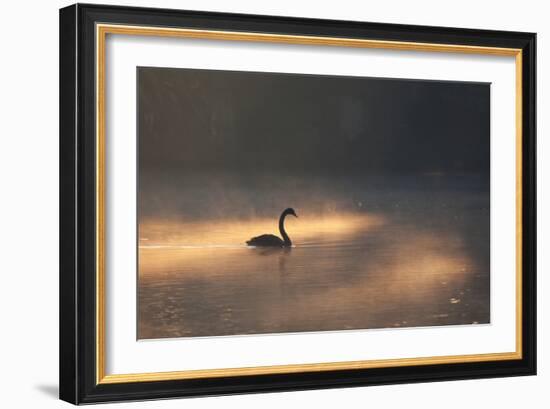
x: 270, y: 240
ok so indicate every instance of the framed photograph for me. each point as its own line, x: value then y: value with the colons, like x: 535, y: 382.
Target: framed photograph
x: 257, y: 203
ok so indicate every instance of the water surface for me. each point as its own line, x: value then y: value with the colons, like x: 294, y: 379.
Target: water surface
x: 407, y: 260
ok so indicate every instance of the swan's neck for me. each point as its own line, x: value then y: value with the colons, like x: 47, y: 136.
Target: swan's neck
x: 286, y: 239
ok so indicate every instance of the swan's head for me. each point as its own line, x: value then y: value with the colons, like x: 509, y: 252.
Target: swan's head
x: 290, y: 211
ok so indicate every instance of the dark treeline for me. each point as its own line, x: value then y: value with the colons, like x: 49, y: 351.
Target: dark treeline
x: 266, y: 122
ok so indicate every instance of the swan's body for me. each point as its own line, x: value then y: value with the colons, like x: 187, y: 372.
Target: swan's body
x: 270, y: 240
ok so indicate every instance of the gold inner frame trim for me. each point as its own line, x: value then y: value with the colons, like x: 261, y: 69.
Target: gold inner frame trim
x: 101, y: 33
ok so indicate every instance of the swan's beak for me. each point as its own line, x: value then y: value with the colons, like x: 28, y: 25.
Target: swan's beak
x: 295, y: 215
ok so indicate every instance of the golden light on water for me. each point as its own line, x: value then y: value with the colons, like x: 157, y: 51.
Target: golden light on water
x: 422, y: 268
x: 343, y: 272
x: 236, y: 232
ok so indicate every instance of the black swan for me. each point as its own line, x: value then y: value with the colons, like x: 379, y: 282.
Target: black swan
x: 270, y: 240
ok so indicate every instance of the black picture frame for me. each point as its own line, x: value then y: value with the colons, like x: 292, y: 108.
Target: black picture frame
x: 78, y: 313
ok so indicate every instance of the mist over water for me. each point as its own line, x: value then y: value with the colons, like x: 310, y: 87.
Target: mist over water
x: 392, y: 251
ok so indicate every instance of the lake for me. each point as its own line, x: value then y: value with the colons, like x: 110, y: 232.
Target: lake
x: 402, y: 258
